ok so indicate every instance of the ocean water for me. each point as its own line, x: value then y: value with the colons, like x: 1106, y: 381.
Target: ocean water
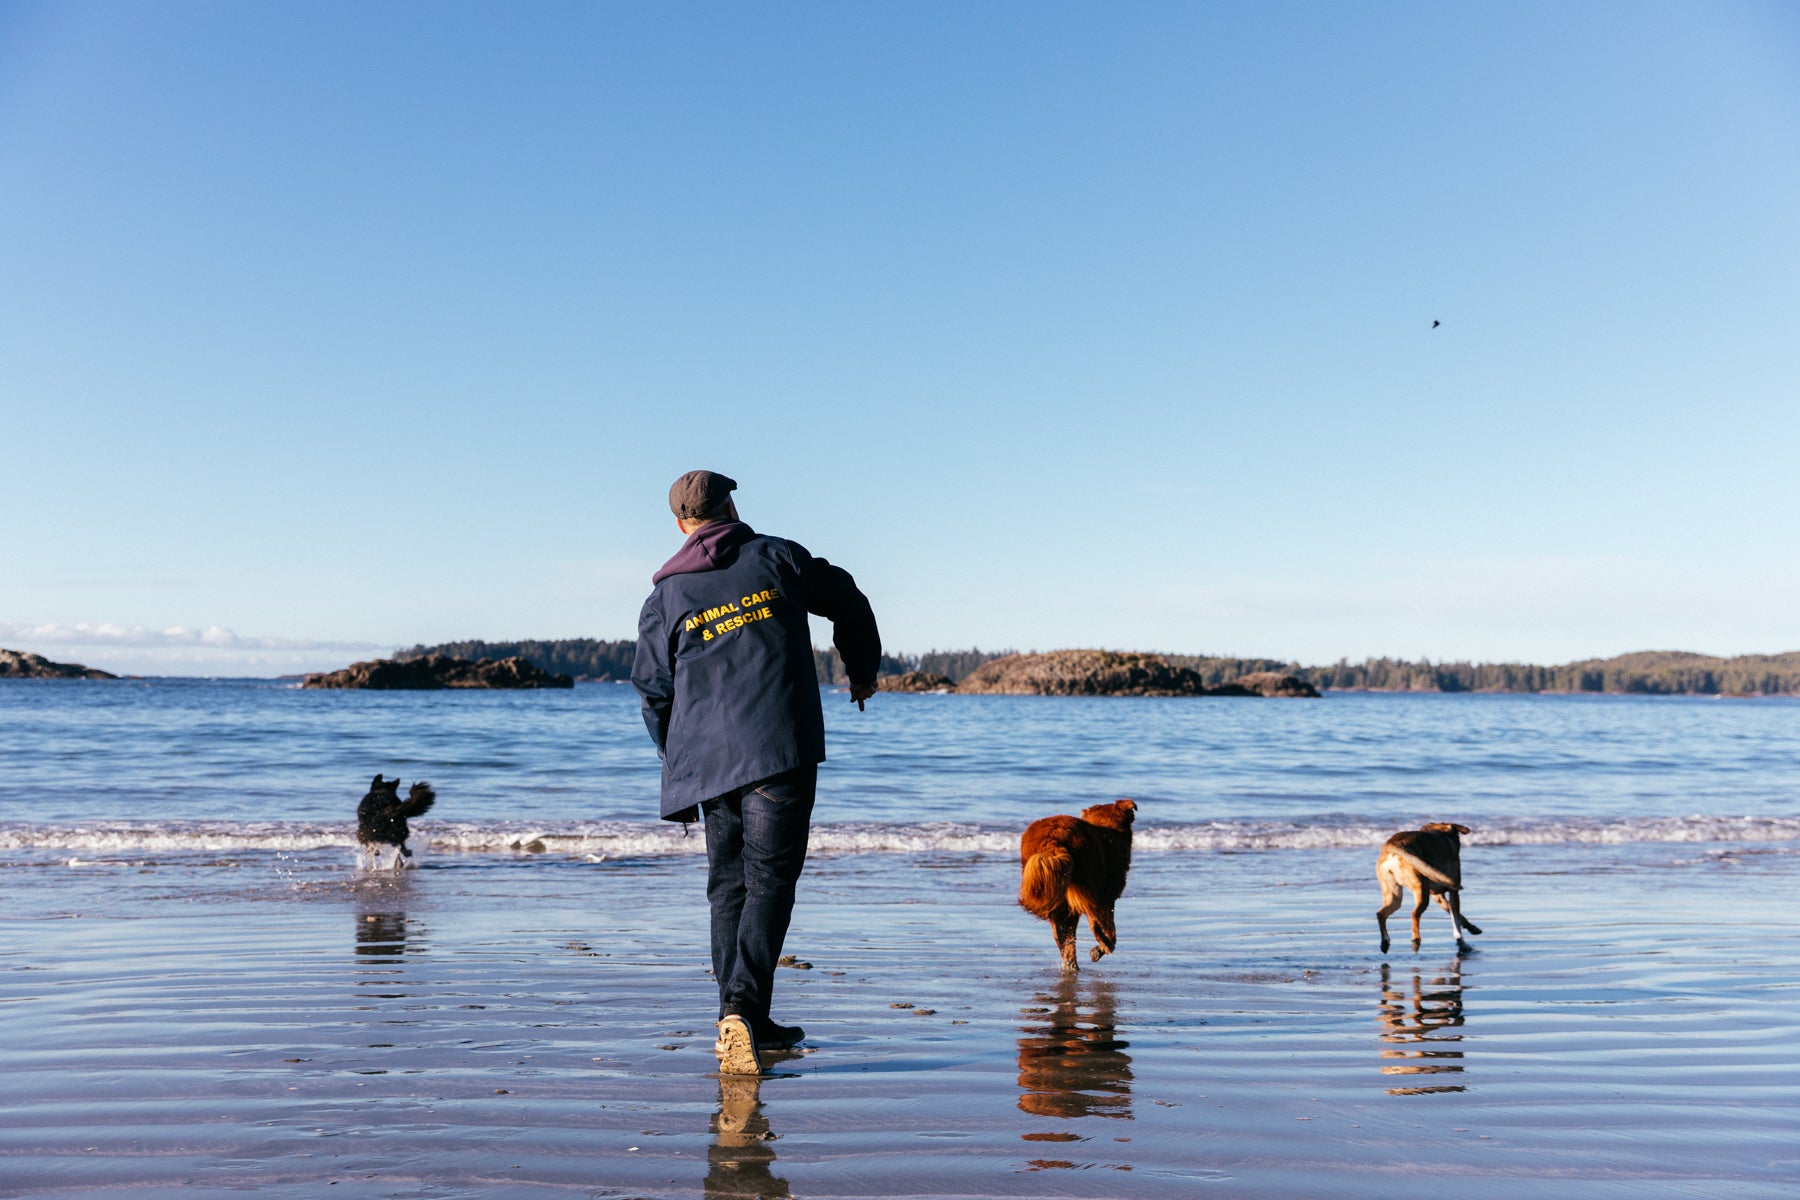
x: 187, y: 769
x: 203, y: 987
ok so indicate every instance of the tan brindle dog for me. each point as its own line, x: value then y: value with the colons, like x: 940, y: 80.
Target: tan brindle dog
x: 1429, y: 862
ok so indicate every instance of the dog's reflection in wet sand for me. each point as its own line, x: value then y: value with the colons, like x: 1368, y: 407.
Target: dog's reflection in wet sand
x: 1071, y: 1060
x: 380, y: 934
x: 385, y: 936
x: 740, y: 1160
x: 1423, y: 1028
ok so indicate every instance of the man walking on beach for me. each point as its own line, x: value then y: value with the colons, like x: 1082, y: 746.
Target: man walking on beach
x: 731, y: 696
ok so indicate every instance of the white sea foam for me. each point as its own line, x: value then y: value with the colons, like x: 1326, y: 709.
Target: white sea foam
x: 603, y: 840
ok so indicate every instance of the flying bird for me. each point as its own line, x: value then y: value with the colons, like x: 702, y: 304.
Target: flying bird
x: 1435, y: 324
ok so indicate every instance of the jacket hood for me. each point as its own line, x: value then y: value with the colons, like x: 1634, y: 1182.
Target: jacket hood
x: 708, y: 548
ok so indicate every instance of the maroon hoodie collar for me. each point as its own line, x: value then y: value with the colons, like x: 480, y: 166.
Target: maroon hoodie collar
x: 708, y: 548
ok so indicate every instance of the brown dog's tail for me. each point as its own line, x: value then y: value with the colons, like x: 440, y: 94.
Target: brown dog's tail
x: 1046, y: 880
x: 1430, y: 872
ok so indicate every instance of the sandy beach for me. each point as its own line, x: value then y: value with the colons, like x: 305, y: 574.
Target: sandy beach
x: 1627, y: 1027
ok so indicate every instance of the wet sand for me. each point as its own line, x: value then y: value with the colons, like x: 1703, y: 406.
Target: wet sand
x: 1629, y: 1026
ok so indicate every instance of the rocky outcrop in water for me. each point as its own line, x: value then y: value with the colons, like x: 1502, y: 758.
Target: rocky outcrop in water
x: 435, y: 671
x: 22, y: 664
x: 1081, y: 673
x: 1274, y: 683
x: 916, y: 681
x: 1112, y: 673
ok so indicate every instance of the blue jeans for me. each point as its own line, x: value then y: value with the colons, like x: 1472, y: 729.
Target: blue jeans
x: 755, y: 850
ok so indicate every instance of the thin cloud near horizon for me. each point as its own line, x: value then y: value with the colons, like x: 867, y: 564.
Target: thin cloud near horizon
x: 213, y: 637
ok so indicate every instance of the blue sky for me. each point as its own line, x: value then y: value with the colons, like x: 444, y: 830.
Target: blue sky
x: 329, y: 328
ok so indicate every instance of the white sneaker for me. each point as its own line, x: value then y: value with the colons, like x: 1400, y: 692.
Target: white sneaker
x: 736, y: 1047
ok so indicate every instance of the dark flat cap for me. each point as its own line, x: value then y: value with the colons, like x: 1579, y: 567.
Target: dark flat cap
x: 701, y: 494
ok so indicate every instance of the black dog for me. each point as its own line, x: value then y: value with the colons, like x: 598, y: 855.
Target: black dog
x: 381, y: 817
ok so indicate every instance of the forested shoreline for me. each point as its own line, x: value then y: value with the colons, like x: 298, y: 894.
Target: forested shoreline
x: 1647, y: 672
x: 1650, y: 672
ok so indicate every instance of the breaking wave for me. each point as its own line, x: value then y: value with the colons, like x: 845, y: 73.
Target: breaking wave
x: 601, y: 840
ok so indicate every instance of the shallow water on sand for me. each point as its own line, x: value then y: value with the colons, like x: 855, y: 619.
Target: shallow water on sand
x: 473, y: 1031
x: 199, y: 988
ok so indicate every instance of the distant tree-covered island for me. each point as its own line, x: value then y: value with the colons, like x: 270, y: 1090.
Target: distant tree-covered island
x: 434, y: 672
x: 583, y: 659
x: 1650, y: 672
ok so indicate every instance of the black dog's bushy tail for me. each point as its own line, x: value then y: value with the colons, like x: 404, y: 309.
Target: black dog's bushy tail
x: 419, y: 799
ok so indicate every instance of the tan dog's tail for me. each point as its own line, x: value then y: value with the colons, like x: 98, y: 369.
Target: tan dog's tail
x: 1428, y: 871
x: 1046, y: 880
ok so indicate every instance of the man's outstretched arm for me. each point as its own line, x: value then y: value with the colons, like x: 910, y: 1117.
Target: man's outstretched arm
x: 831, y: 593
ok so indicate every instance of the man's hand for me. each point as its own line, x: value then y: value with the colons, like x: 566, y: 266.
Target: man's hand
x: 860, y: 692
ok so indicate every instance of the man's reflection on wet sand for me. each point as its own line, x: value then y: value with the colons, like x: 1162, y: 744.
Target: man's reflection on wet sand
x: 740, y: 1160
x: 1071, y: 1061
x: 1422, y: 1028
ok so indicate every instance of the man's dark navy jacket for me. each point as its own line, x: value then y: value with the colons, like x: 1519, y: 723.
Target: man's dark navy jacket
x: 725, y: 665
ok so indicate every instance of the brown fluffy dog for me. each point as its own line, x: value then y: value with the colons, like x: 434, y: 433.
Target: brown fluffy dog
x: 1075, y: 867
x: 1429, y: 861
